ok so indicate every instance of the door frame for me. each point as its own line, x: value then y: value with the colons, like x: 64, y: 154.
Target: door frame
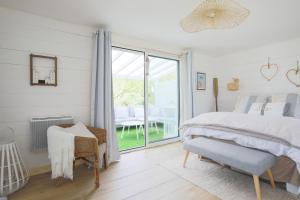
x: 157, y: 54
x: 164, y: 141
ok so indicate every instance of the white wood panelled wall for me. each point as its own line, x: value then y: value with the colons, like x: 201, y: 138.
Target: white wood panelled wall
x: 204, y: 99
x: 22, y: 34
x: 246, y: 65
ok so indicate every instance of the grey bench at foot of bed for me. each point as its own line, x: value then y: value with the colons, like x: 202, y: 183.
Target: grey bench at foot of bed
x: 249, y: 160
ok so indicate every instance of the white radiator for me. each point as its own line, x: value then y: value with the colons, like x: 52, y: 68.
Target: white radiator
x: 39, y: 128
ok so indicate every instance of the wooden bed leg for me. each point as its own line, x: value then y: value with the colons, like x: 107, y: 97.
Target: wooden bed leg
x: 257, y: 187
x: 270, y: 175
x: 185, y: 158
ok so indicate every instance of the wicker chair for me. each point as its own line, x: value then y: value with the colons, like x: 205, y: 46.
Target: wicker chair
x: 86, y: 148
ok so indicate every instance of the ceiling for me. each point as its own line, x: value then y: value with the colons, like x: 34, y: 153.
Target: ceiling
x: 130, y: 65
x: 157, y: 21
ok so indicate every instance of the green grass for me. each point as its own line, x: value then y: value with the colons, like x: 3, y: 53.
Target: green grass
x: 130, y: 141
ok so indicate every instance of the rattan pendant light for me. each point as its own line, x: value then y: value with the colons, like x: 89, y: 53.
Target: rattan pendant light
x: 215, y: 14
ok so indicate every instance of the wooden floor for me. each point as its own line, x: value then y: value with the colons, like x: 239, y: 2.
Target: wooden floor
x: 138, y: 176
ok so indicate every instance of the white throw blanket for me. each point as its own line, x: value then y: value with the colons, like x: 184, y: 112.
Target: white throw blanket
x: 61, y: 145
x: 278, y: 135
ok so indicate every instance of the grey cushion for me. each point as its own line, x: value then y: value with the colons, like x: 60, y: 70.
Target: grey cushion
x: 244, y: 103
x: 249, y: 160
x: 293, y: 103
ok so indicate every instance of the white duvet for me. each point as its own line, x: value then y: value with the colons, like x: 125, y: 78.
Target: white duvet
x: 277, y: 135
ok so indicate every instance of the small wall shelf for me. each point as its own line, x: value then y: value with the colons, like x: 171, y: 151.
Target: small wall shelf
x: 43, y: 70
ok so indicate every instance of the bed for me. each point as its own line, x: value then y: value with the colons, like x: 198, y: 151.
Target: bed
x: 278, y: 134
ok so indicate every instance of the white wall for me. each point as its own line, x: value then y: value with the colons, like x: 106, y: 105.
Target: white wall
x: 246, y: 66
x: 22, y: 34
x: 203, y: 99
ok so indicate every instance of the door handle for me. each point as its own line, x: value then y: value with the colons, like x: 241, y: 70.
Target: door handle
x: 147, y: 63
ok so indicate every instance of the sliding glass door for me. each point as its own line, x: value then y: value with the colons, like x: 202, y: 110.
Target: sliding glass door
x: 128, y: 90
x: 146, y: 98
x: 163, y: 98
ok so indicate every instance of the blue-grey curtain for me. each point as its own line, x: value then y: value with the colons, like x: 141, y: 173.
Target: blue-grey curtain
x: 186, y: 87
x: 102, y: 106
x: 189, y: 65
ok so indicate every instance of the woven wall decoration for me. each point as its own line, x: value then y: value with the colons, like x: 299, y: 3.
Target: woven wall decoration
x: 293, y: 75
x: 269, y: 70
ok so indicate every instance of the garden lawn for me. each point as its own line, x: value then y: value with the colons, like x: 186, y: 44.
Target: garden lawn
x: 130, y: 141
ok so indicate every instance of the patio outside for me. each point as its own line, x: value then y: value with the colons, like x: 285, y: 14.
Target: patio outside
x: 128, y: 86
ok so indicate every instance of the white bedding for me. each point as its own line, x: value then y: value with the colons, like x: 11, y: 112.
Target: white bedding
x: 275, y: 135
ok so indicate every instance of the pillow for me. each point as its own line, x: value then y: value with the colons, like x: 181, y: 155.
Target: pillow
x: 256, y: 109
x: 275, y: 109
x: 139, y: 112
x: 121, y: 112
x: 154, y: 111
x: 244, y: 103
x: 292, y: 101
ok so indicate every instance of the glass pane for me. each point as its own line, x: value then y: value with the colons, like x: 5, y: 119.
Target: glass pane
x: 128, y: 91
x: 163, y: 99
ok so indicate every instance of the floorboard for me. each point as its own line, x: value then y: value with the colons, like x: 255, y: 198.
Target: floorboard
x: 137, y: 176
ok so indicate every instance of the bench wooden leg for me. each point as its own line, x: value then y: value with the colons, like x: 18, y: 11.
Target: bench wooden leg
x: 96, y: 167
x: 257, y: 187
x: 185, y: 158
x: 105, y: 160
x: 270, y: 175
x: 96, y: 174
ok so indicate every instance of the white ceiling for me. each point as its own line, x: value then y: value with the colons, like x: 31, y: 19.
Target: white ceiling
x: 270, y: 21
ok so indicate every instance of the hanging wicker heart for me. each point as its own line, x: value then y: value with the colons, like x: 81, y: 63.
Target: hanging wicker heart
x: 293, y: 76
x: 269, y: 71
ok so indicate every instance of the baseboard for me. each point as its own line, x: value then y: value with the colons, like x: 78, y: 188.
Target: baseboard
x: 47, y: 168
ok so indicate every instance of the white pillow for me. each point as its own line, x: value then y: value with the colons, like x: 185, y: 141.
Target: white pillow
x: 121, y: 112
x: 139, y: 112
x: 256, y: 109
x: 244, y: 103
x: 154, y: 111
x: 275, y: 109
